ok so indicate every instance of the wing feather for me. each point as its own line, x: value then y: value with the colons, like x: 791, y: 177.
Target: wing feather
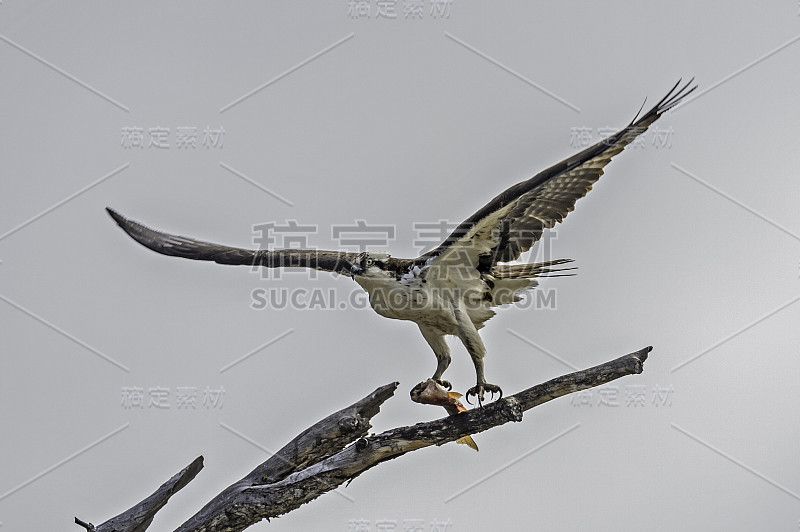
x: 189, y: 248
x: 514, y: 220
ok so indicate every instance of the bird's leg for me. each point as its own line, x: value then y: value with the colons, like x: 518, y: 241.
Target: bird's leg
x: 442, y: 351
x: 482, y: 386
x: 469, y: 336
x: 442, y: 364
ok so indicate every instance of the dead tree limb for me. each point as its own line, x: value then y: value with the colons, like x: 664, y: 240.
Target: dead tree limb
x: 139, y: 517
x: 322, y: 457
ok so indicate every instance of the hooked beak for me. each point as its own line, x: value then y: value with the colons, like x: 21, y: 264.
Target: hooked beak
x: 354, y: 269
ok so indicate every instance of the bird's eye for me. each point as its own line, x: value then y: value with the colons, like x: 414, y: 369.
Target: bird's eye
x: 369, y: 262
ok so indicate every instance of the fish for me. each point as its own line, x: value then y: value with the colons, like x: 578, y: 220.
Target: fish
x: 430, y: 392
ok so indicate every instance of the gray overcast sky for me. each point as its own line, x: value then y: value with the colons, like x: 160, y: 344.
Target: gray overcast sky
x: 305, y: 111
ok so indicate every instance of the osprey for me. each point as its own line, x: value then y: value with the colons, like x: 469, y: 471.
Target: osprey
x: 453, y: 289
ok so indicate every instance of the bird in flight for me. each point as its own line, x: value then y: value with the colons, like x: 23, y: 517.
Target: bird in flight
x: 453, y: 289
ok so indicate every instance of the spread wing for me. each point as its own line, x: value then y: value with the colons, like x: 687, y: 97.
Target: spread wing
x: 512, y: 222
x: 188, y: 248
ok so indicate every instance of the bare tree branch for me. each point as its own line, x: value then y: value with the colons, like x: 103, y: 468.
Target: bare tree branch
x: 321, y: 458
x: 323, y: 439
x: 138, y: 518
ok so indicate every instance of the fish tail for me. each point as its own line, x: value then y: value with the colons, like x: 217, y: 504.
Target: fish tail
x: 467, y: 440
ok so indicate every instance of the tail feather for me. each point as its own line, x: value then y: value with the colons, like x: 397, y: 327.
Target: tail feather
x: 528, y: 271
